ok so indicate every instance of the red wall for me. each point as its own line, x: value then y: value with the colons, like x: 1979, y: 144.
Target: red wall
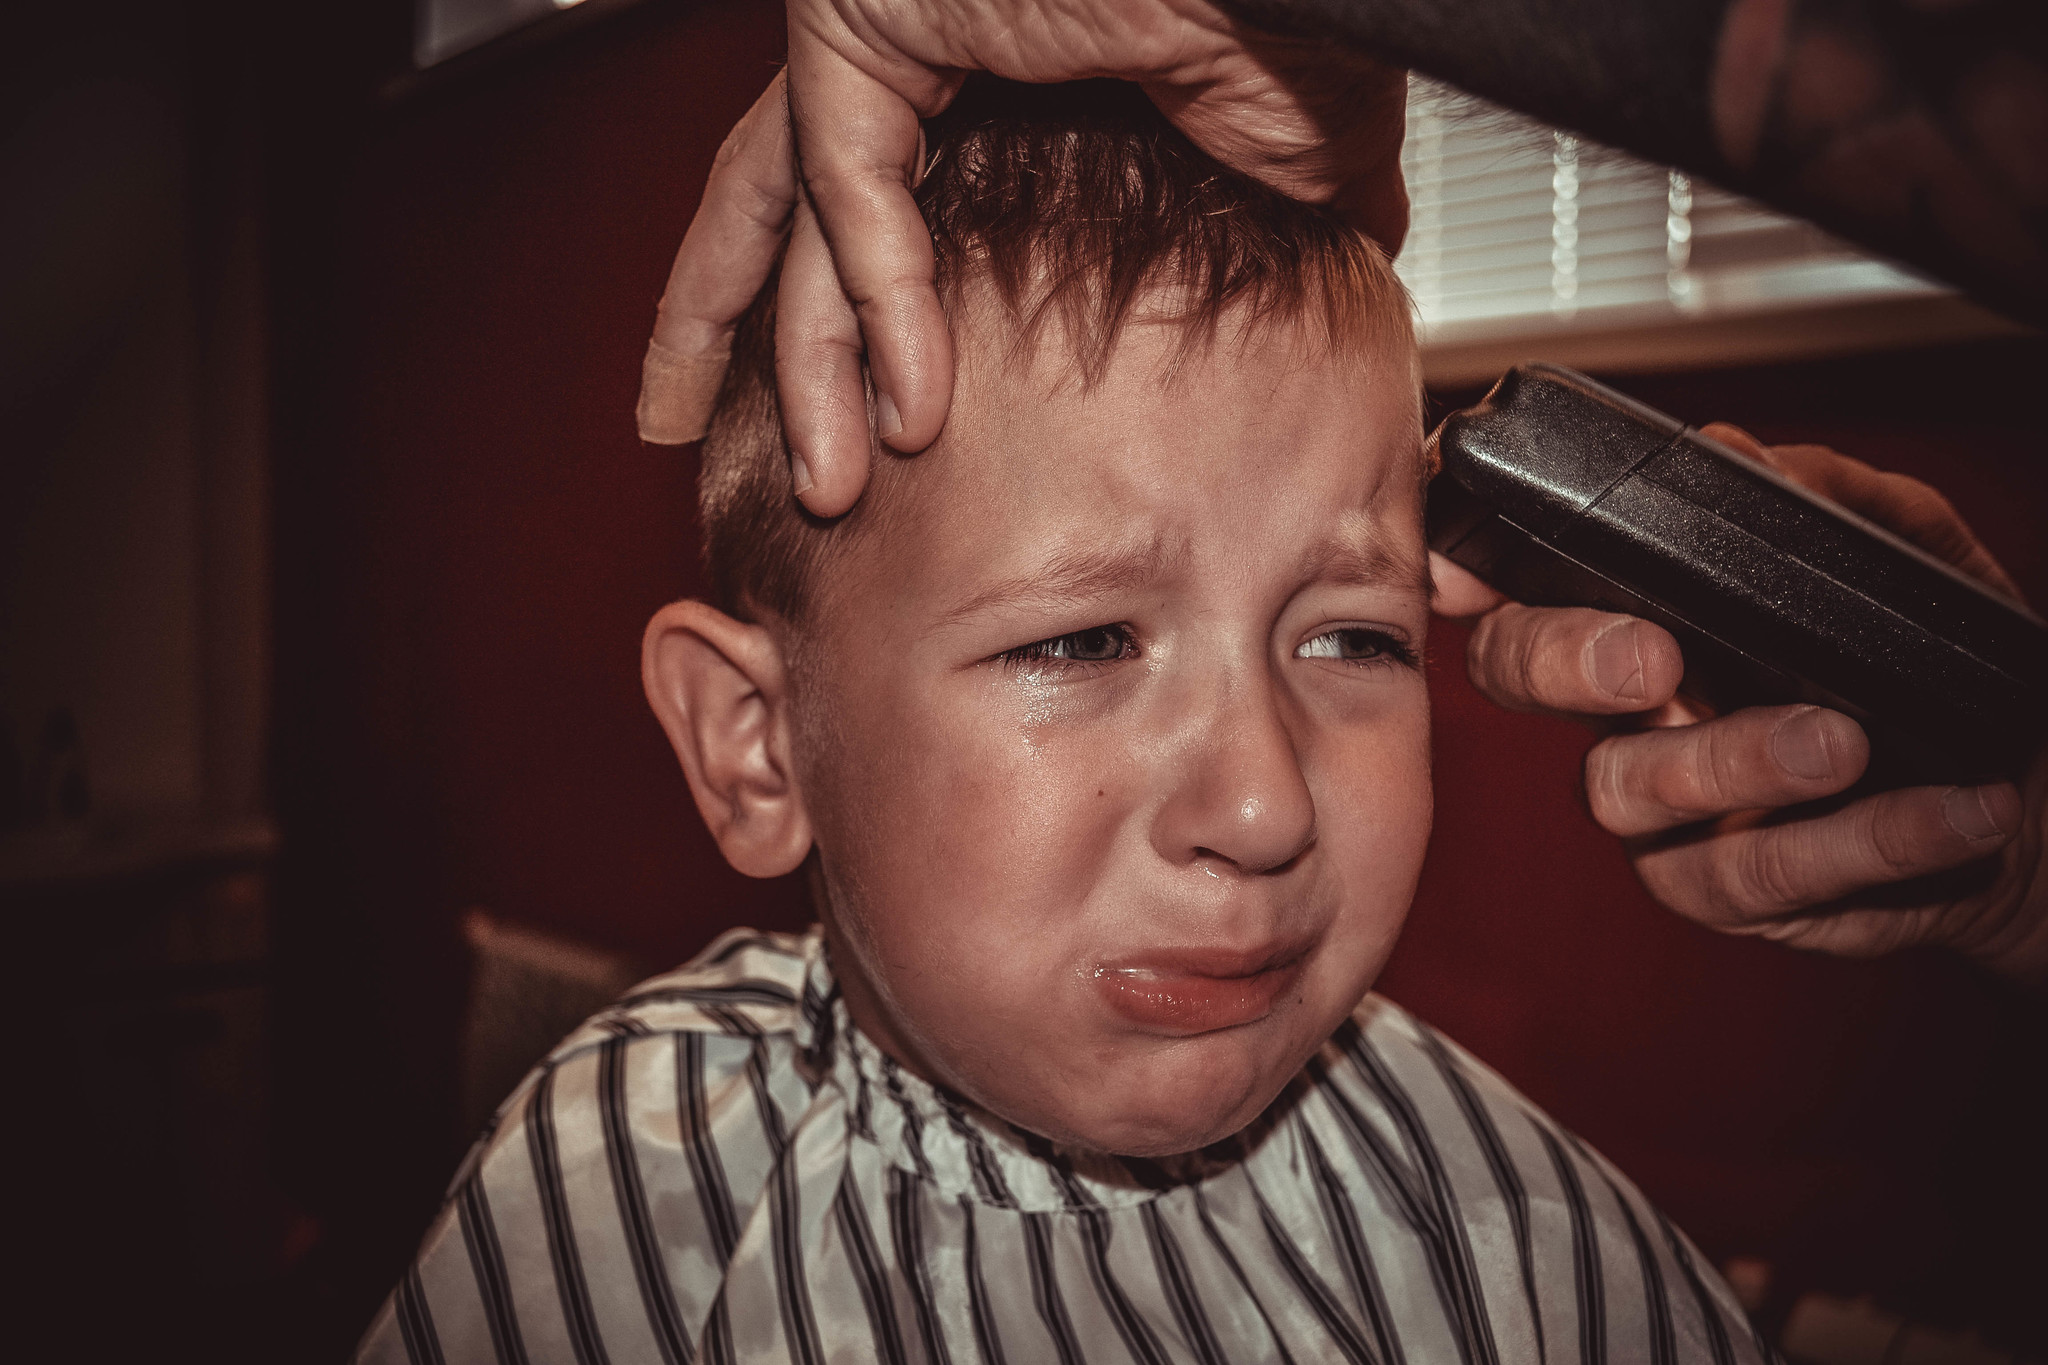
x: 508, y: 241
x: 471, y: 538
x: 1866, y: 1126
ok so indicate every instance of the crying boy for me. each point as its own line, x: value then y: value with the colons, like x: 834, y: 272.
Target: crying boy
x: 1102, y: 730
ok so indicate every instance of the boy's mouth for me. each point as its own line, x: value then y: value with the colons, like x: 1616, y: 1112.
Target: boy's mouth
x: 1182, y: 992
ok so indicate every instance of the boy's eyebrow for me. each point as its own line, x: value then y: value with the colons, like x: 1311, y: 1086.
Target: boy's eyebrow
x: 1075, y: 575
x: 1372, y: 564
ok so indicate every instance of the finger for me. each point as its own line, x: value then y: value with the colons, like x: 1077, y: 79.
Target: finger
x: 1734, y: 437
x: 857, y: 145
x: 1755, y: 759
x: 724, y: 260
x: 1573, y: 660
x: 817, y: 354
x: 1746, y: 877
x: 1314, y: 121
x: 1456, y: 591
x: 1863, y: 931
x: 1901, y: 504
x: 1898, y: 502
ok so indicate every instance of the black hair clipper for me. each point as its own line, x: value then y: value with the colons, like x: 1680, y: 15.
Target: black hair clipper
x: 1559, y: 491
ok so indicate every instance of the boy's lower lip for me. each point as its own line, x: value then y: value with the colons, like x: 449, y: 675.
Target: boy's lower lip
x: 1183, y: 1003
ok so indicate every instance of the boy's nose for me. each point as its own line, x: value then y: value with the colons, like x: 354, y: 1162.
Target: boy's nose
x: 1239, y: 796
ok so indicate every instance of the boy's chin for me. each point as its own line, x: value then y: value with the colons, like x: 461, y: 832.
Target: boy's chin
x: 1166, y: 1106
x: 1164, y: 1138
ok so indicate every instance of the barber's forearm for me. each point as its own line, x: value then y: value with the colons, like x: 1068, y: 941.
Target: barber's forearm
x: 1914, y: 128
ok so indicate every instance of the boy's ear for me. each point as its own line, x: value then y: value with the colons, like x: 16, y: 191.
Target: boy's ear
x: 720, y: 689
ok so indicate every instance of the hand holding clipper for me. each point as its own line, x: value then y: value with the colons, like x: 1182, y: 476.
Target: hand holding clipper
x: 1561, y: 492
x: 1773, y: 818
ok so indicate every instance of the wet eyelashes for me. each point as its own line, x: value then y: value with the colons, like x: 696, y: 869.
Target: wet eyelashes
x: 1110, y: 644
x: 1356, y: 644
x: 1095, y: 645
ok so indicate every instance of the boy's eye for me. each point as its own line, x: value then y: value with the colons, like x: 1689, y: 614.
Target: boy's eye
x: 1095, y: 645
x: 1356, y: 644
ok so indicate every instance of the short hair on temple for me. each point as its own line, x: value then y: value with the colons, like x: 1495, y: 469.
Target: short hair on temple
x: 1081, y: 209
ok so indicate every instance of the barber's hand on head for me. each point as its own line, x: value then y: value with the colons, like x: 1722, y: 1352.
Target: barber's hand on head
x: 749, y: 202
x: 1712, y: 809
x: 1313, y: 120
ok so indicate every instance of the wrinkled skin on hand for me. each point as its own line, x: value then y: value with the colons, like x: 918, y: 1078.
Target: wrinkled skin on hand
x: 1727, y: 818
x: 1314, y: 120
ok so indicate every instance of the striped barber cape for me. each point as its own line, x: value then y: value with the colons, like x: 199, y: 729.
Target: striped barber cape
x: 720, y: 1168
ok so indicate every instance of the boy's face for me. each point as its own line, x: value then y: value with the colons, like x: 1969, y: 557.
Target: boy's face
x: 1115, y: 739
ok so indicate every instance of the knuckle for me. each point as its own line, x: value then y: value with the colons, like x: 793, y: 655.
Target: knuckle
x: 764, y: 205
x: 1528, y: 654
x: 888, y: 296
x: 1658, y: 779
x: 1889, y: 833
x: 1560, y: 654
x: 1670, y: 783
x: 1702, y: 779
x: 1526, y: 657
x: 1762, y: 876
x: 840, y: 193
x: 1736, y: 767
x: 1910, y: 490
x: 1479, y: 654
x: 1485, y: 653
x: 1559, y: 667
x: 1608, y: 794
x: 1685, y: 780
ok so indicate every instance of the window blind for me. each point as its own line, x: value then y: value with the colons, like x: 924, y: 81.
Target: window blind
x: 1525, y: 234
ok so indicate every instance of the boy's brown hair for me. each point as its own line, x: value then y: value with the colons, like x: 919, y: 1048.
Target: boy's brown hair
x: 1082, y: 209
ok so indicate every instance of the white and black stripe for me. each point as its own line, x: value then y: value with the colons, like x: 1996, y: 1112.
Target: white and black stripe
x: 487, y: 1265
x: 1451, y: 1242
x: 664, y: 1315
x: 1341, y: 1214
x: 906, y: 1206
x: 785, y: 1201
x: 870, y: 1275
x: 1341, y: 1332
x: 800, y: 1197
x: 1514, y: 1195
x: 1588, y: 1280
x: 558, y: 1228
x: 416, y: 1321
x: 1221, y: 1247
x: 1182, y: 1296
x: 988, y: 1340
x: 721, y: 1220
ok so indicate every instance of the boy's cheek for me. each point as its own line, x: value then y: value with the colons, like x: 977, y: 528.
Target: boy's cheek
x: 951, y: 818
x: 1374, y: 811
x: 998, y: 784
x: 1375, y: 767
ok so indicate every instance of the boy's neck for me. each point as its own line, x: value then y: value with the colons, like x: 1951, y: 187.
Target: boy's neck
x: 865, y: 1005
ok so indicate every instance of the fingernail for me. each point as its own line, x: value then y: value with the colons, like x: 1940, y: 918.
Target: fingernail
x: 1979, y: 813
x: 799, y: 474
x: 1618, y: 662
x: 888, y: 421
x: 1800, y: 744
